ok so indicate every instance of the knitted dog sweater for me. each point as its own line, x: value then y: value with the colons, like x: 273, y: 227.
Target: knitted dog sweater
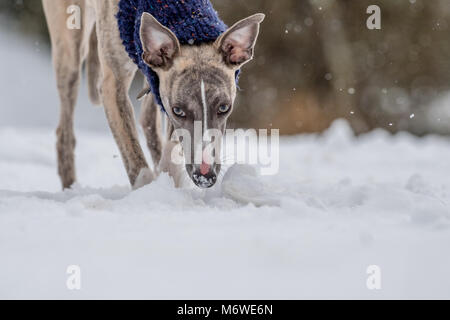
x: 192, y: 21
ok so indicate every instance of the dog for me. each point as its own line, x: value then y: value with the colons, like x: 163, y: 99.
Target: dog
x: 190, y: 80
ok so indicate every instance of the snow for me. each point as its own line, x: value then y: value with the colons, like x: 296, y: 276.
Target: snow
x: 338, y: 205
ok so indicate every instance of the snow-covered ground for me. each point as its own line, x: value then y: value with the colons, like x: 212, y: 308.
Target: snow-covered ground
x: 343, y: 204
x: 338, y: 205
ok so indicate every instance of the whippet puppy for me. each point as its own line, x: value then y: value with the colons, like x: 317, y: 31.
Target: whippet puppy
x: 196, y: 84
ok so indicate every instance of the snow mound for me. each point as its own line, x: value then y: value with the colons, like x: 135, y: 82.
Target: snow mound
x: 242, y: 184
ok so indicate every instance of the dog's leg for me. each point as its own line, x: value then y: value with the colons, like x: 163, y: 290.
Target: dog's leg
x: 93, y: 69
x: 151, y: 124
x: 67, y: 56
x: 118, y: 72
x: 68, y: 82
x: 119, y: 111
x: 172, y: 149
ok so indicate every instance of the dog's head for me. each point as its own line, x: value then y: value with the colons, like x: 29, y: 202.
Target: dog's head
x: 198, y: 87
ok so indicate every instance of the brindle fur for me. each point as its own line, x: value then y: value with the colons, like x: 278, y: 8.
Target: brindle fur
x: 110, y: 73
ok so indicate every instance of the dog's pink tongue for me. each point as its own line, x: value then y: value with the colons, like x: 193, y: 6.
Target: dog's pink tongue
x: 206, y: 163
x: 204, y: 168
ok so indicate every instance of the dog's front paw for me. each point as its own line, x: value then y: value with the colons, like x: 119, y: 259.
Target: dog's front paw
x: 170, y: 163
x: 145, y: 177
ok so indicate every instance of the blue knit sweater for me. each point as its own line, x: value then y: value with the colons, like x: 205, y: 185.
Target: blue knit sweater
x: 192, y: 21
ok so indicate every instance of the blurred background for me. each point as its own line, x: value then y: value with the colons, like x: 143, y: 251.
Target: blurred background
x: 315, y: 61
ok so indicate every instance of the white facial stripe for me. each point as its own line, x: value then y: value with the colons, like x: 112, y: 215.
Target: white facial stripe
x: 205, y: 108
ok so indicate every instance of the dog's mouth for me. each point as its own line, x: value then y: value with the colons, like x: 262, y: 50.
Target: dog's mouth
x: 203, y: 176
x: 204, y: 182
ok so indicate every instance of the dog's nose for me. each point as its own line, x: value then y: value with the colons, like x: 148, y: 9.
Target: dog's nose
x: 204, y: 181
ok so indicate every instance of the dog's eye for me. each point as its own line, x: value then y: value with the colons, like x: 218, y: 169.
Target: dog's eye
x: 179, y: 112
x: 224, y: 109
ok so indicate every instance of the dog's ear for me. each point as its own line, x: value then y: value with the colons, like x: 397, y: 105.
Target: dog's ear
x: 237, y: 44
x: 160, y: 45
